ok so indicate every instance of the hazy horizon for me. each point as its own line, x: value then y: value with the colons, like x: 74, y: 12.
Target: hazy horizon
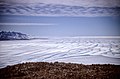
x: 61, y: 26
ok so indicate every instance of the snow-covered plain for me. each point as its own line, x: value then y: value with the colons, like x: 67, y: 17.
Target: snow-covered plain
x: 69, y: 49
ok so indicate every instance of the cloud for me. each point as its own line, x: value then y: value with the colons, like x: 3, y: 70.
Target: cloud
x: 38, y: 24
x: 101, y: 3
x: 43, y: 9
x: 61, y: 8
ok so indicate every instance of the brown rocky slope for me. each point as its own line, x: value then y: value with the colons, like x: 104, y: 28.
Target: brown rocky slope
x: 44, y: 70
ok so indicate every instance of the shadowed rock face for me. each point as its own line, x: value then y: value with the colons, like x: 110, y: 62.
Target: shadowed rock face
x: 12, y: 36
x: 43, y: 70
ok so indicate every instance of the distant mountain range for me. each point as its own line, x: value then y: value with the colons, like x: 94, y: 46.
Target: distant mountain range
x: 43, y: 9
x: 13, y: 36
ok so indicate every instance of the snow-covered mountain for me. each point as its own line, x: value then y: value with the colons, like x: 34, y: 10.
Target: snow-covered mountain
x: 43, y: 9
x: 12, y: 36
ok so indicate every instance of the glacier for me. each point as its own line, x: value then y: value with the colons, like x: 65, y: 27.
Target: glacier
x: 61, y: 49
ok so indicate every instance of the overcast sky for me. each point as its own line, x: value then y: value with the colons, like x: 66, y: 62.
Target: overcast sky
x: 109, y: 3
x: 63, y: 25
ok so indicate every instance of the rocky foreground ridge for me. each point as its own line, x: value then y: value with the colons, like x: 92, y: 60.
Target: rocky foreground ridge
x: 44, y: 70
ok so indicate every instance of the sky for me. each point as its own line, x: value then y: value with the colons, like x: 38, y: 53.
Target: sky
x: 109, y: 3
x: 63, y: 25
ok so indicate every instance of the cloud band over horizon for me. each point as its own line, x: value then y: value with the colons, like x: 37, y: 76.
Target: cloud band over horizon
x: 78, y: 8
x: 41, y: 24
x: 90, y: 3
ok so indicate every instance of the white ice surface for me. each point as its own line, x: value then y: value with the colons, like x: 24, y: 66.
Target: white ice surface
x: 74, y: 50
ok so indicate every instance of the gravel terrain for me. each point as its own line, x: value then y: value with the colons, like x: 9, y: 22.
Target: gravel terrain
x: 59, y: 70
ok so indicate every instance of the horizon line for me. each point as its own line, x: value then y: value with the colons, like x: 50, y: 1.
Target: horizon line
x: 28, y: 24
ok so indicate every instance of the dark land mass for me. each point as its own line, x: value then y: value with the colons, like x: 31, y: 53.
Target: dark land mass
x: 12, y: 36
x: 44, y: 70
